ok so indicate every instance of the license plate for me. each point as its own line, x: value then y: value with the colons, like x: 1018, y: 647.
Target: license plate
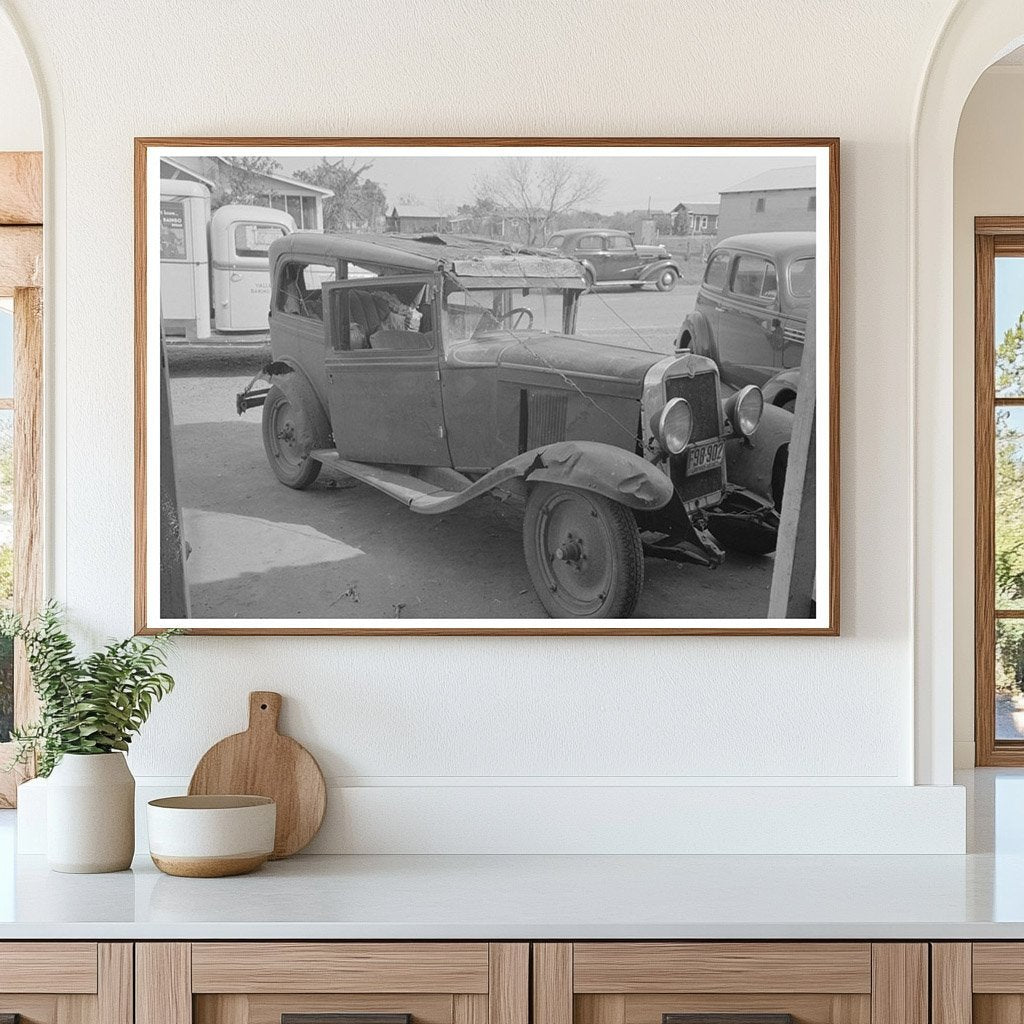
x: 702, y: 457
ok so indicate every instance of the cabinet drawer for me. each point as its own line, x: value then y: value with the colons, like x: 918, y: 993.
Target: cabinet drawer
x: 730, y: 983
x: 332, y: 983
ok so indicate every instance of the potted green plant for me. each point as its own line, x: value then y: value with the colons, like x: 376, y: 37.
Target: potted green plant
x: 90, y: 708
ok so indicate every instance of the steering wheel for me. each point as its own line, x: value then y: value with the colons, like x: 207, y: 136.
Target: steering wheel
x: 521, y: 311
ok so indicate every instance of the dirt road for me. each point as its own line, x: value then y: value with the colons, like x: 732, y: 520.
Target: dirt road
x: 344, y: 550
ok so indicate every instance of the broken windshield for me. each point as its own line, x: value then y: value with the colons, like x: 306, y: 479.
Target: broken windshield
x: 476, y: 314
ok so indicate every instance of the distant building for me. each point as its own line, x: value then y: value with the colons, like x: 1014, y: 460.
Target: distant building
x: 780, y: 200
x: 695, y: 219
x: 408, y: 219
x: 304, y: 202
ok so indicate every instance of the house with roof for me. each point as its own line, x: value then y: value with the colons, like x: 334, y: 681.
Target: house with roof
x: 695, y: 219
x: 783, y: 199
x: 410, y: 219
x: 304, y: 202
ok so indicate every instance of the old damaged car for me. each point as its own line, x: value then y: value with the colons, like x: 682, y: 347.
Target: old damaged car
x: 612, y: 257
x: 438, y: 369
x: 750, y: 316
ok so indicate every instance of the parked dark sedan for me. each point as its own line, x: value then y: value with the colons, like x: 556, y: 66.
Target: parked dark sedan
x: 612, y: 257
x: 751, y: 311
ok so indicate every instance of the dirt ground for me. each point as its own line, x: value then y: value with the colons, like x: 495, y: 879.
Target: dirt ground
x: 344, y: 550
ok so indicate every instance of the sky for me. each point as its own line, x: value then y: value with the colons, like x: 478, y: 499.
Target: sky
x: 631, y: 182
x: 1009, y: 292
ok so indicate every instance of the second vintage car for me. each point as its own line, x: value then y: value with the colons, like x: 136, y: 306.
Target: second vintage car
x: 750, y: 316
x: 612, y: 257
x: 439, y: 369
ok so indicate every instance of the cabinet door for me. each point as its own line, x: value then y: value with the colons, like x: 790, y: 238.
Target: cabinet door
x: 66, y: 982
x: 730, y: 983
x: 332, y: 983
x: 978, y: 983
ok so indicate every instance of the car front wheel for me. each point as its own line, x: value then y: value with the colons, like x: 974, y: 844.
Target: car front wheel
x: 667, y: 280
x: 284, y: 440
x: 583, y: 552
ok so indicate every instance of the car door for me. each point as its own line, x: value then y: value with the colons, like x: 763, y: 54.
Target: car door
x: 749, y: 325
x: 592, y: 249
x: 382, y: 364
x: 621, y: 260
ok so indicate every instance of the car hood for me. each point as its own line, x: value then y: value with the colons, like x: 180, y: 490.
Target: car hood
x: 559, y: 354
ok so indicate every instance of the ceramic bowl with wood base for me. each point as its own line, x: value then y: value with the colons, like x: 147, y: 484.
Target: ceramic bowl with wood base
x: 211, y: 836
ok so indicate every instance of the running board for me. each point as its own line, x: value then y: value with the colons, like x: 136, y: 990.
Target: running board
x: 415, y: 492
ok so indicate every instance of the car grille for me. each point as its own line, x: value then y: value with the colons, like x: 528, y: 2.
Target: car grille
x: 701, y: 391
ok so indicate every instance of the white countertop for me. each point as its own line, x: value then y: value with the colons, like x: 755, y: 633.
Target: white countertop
x: 977, y: 896
x: 516, y: 897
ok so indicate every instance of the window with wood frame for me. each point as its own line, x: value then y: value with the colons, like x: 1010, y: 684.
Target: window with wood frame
x: 999, y: 490
x: 21, y: 365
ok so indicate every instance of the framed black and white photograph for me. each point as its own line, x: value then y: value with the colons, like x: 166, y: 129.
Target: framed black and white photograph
x: 450, y: 386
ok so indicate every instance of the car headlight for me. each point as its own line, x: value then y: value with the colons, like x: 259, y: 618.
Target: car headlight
x: 745, y: 409
x: 673, y: 425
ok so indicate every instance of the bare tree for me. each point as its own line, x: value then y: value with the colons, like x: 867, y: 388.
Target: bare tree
x: 538, y: 189
x: 357, y: 202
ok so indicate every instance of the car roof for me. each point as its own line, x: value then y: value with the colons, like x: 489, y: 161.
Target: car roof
x: 575, y: 232
x: 775, y: 243
x: 411, y: 252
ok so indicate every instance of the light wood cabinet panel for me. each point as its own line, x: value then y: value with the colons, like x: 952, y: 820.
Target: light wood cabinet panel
x: 899, y: 983
x: 163, y: 983
x: 552, y: 983
x: 339, y: 967
x: 635, y: 967
x: 66, y: 982
x: 951, y: 982
x: 64, y: 967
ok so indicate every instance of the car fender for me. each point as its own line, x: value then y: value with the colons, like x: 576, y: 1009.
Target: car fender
x: 651, y: 270
x: 759, y: 465
x: 589, y: 271
x: 696, y: 335
x: 781, y: 388
x: 602, y: 468
x: 312, y: 420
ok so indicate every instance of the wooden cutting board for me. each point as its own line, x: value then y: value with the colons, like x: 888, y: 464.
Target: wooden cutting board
x: 262, y: 762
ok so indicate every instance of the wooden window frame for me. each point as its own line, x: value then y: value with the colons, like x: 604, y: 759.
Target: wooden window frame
x: 21, y: 278
x: 993, y: 237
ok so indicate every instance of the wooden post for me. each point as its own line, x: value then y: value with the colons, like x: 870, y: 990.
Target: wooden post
x: 795, y: 554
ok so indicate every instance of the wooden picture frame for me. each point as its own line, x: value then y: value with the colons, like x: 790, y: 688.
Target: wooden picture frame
x: 817, y: 574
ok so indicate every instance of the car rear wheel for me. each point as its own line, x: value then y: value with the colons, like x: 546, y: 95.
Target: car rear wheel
x: 284, y: 433
x: 583, y: 552
x: 667, y: 280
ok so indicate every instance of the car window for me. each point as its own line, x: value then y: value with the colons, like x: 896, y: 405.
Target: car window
x: 383, y: 317
x: 755, y: 277
x: 717, y: 272
x: 253, y: 240
x: 620, y: 243
x: 801, y: 279
x: 590, y: 243
x: 298, y: 288
x: 556, y: 241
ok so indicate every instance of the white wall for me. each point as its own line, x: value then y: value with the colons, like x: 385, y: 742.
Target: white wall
x: 987, y: 181
x: 21, y: 126
x: 448, y: 713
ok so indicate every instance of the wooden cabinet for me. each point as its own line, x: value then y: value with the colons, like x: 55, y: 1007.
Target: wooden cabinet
x: 66, y: 982
x: 307, y: 982
x: 978, y: 983
x: 748, y: 982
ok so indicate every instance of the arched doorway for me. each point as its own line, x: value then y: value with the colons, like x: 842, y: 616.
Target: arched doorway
x: 976, y: 34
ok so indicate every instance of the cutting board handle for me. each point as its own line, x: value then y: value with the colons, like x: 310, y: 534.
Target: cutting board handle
x: 264, y: 710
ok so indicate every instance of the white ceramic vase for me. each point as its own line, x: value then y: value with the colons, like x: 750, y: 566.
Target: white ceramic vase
x: 90, y: 814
